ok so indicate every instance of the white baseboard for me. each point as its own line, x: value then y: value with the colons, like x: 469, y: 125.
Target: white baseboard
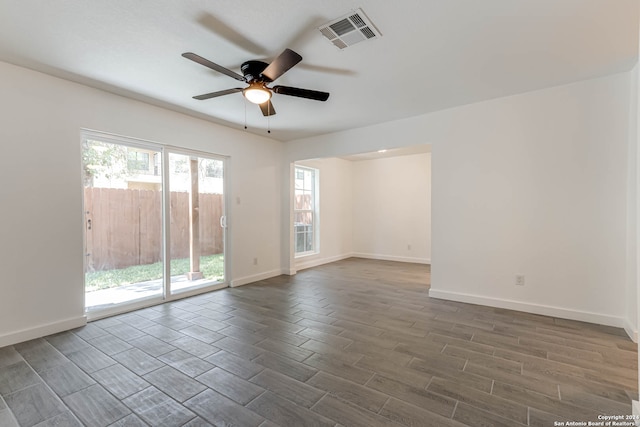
x: 42, y: 331
x: 392, y: 258
x: 635, y: 406
x: 545, y: 310
x: 254, y: 278
x: 312, y: 261
x: 631, y: 330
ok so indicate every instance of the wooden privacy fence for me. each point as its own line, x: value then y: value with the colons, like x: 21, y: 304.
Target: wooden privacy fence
x: 124, y: 227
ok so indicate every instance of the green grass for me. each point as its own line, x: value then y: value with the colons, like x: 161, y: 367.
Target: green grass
x: 211, y: 266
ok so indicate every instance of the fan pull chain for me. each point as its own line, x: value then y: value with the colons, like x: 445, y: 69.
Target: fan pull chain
x: 245, y: 115
x: 269, y: 117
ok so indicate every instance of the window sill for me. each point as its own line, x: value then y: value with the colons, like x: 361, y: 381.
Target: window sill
x: 306, y: 254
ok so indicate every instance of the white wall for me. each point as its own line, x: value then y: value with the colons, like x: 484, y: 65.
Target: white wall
x: 335, y: 212
x: 392, y: 208
x: 532, y: 184
x: 631, y: 308
x: 634, y: 198
x: 41, y: 200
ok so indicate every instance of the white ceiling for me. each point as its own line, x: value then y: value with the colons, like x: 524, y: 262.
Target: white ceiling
x: 433, y: 54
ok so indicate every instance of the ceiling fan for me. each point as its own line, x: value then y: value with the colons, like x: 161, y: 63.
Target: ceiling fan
x: 258, y: 74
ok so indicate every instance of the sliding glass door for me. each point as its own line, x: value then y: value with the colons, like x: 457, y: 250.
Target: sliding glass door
x: 144, y: 205
x: 197, y: 216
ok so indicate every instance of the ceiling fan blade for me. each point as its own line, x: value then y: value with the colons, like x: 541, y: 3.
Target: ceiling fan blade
x: 301, y: 93
x: 218, y: 93
x: 267, y: 108
x: 281, y: 64
x: 219, y: 68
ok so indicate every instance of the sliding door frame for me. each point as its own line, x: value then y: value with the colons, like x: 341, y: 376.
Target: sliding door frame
x: 166, y: 295
x: 166, y: 223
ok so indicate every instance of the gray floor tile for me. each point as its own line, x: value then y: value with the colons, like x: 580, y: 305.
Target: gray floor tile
x: 230, y: 385
x: 243, y: 335
x: 411, y: 415
x: 234, y: 364
x: 34, y: 404
x: 239, y: 348
x: 212, y: 314
x: 91, y: 359
x: 349, y: 414
x: 195, y: 347
x: 107, y: 322
x: 120, y: 381
x: 283, y: 412
x: 470, y: 357
x: 221, y: 411
x: 131, y: 420
x: 7, y: 419
x: 66, y: 342
x: 136, y: 321
x: 339, y: 368
x: 163, y: 333
x: 152, y: 345
x: 110, y: 344
x: 284, y: 349
x: 150, y: 313
x: 174, y: 383
x: 203, y: 334
x: 125, y: 332
x: 66, y: 379
x: 41, y: 355
x: 65, y: 419
x: 284, y: 365
x: 186, y: 363
x: 208, y: 323
x: 16, y: 377
x: 346, y: 390
x: 95, y: 407
x: 197, y: 422
x: 145, y: 400
x: 138, y: 361
x: 30, y: 345
x: 434, y: 402
x: 282, y: 385
x: 9, y: 356
x: 89, y: 331
x: 158, y: 409
x: 173, y: 322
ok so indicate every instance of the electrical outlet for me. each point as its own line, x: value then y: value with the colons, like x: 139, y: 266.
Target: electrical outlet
x: 519, y: 280
x: 255, y: 261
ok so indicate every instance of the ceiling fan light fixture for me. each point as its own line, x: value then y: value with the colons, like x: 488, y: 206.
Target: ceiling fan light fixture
x: 257, y: 93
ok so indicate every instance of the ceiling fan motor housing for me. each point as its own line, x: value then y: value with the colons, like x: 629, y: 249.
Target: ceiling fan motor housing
x: 252, y: 71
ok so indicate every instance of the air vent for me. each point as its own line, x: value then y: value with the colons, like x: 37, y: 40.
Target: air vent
x: 350, y: 29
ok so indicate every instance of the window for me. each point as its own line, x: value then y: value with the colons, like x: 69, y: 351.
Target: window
x: 213, y: 169
x: 138, y: 161
x: 305, y: 210
x: 180, y: 165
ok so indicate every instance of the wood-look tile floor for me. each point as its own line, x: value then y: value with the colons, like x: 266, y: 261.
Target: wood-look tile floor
x: 352, y: 343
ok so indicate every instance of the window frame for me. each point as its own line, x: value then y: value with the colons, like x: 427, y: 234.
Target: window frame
x: 314, y: 212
